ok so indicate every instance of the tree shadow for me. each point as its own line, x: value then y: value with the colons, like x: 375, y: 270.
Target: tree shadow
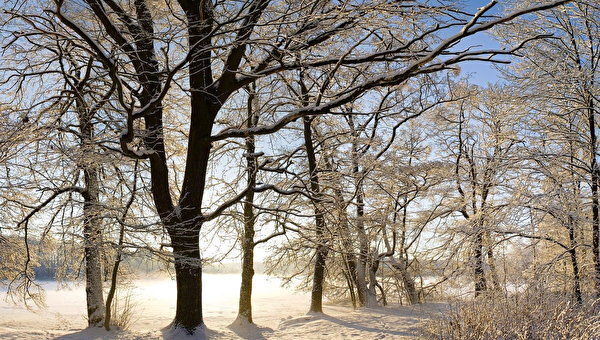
x: 410, y: 317
x: 97, y: 333
x: 249, y: 331
x: 422, y: 310
x: 92, y: 333
x: 380, y: 331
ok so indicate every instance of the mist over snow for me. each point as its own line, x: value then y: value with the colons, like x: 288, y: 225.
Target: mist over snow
x: 279, y: 313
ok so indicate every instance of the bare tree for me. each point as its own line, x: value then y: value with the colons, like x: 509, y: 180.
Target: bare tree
x: 560, y: 77
x: 209, y: 42
x: 482, y: 144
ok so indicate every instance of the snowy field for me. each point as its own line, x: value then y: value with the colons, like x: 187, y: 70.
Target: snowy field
x: 279, y: 313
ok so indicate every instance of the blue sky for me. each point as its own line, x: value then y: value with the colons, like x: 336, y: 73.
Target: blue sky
x: 481, y: 72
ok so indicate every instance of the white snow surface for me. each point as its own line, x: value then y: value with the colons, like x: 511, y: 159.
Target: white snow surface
x: 279, y: 313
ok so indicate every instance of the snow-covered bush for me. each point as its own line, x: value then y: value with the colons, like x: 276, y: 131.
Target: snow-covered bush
x: 528, y: 315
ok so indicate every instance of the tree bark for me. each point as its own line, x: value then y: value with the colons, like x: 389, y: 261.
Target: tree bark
x: 245, y: 305
x: 188, y: 272
x: 480, y: 281
x: 204, y: 105
x: 316, y: 297
x: 322, y: 248
x: 574, y: 262
x: 92, y: 228
x: 92, y: 234
x: 492, y: 262
x: 373, y: 268
x: 366, y: 296
x: 408, y: 281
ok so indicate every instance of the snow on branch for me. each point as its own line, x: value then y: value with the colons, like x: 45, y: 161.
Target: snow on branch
x: 422, y: 65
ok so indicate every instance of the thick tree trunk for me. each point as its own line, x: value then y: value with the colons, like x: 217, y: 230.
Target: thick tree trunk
x: 92, y: 235
x: 93, y: 264
x: 188, y: 274
x: 203, y: 109
x: 480, y: 281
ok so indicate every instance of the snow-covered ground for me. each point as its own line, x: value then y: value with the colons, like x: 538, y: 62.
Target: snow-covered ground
x: 279, y: 313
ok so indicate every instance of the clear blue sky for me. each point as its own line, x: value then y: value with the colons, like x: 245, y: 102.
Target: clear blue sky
x: 481, y: 72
